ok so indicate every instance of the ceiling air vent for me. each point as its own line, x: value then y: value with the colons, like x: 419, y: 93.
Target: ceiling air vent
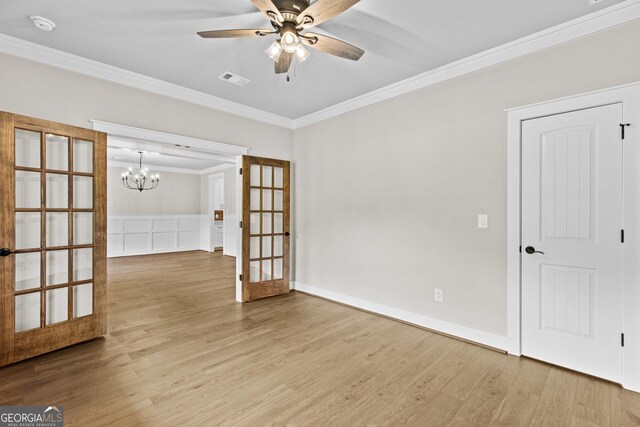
x: 234, y: 79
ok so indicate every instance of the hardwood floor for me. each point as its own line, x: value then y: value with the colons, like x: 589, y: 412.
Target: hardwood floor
x: 181, y: 351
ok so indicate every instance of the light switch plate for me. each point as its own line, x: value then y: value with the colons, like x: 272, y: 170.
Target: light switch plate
x: 483, y: 221
x: 438, y: 295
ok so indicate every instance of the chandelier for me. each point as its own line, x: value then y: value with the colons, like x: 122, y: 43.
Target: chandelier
x: 138, y: 181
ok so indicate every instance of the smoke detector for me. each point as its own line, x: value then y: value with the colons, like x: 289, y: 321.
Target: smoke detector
x: 234, y: 79
x: 43, y: 24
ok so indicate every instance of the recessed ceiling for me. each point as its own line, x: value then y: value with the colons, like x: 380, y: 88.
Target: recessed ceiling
x: 158, y: 38
x: 162, y: 156
x: 118, y: 155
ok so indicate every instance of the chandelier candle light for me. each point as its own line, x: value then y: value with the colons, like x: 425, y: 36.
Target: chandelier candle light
x: 139, y: 181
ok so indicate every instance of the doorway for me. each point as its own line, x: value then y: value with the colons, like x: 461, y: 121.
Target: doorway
x: 216, y: 211
x: 574, y: 232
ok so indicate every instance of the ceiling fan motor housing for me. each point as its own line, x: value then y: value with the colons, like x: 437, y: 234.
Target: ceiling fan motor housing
x: 291, y: 7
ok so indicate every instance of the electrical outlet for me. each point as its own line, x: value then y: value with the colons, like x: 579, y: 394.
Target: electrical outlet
x: 438, y: 295
x: 483, y: 221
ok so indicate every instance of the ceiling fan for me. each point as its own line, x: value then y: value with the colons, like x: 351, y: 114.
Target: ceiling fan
x: 289, y: 19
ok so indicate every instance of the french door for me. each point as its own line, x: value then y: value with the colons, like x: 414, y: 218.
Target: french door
x: 52, y: 235
x: 572, y: 243
x: 265, y: 230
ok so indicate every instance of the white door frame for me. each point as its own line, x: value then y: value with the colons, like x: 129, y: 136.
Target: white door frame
x: 629, y: 96
x: 239, y: 188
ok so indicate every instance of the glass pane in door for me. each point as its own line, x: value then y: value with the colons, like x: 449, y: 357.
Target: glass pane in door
x: 27, y: 190
x: 254, y: 272
x: 82, y: 228
x: 278, y: 177
x: 57, y: 305
x: 254, y: 219
x: 266, y: 246
x: 27, y: 312
x: 57, y: 150
x: 254, y: 251
x: 82, y: 192
x: 57, y: 267
x: 255, y: 175
x: 27, y: 271
x: 278, y: 221
x: 266, y: 223
x: 57, y: 229
x: 83, y: 300
x: 27, y: 148
x: 82, y: 156
x: 277, y: 269
x: 57, y: 191
x: 28, y: 230
x: 267, y: 176
x: 82, y: 264
x: 277, y: 246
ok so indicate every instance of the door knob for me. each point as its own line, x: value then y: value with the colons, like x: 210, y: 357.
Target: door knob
x: 531, y: 250
x: 5, y: 252
x: 287, y: 234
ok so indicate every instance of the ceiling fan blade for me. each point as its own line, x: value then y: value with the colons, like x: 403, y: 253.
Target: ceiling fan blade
x: 283, y: 64
x: 268, y: 8
x: 332, y: 46
x: 226, y: 34
x: 323, y: 10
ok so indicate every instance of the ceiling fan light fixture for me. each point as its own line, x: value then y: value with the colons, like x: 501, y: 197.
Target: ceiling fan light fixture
x: 290, y: 41
x: 274, y: 51
x: 302, y: 54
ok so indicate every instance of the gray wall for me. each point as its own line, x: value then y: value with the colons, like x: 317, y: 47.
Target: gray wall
x: 387, y: 196
x: 178, y: 193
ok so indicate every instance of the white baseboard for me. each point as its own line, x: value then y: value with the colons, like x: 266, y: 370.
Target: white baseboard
x: 464, y: 332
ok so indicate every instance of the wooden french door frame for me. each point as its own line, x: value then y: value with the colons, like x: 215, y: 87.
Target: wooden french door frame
x: 265, y: 249
x: 77, y: 327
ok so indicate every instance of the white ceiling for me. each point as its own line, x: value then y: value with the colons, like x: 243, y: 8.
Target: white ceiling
x: 162, y: 161
x: 158, y: 156
x: 158, y: 38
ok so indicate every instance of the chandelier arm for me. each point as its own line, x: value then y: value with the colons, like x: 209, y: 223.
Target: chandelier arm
x: 127, y: 184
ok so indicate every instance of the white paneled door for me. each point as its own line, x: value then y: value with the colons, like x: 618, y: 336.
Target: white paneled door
x: 572, y: 249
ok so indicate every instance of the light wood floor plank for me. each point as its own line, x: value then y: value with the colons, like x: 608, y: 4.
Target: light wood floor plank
x: 181, y: 351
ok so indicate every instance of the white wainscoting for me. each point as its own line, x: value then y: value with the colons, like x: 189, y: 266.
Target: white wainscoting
x: 152, y: 234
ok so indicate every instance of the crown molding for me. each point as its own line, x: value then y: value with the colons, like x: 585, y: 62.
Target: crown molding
x: 571, y: 30
x: 35, y: 52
